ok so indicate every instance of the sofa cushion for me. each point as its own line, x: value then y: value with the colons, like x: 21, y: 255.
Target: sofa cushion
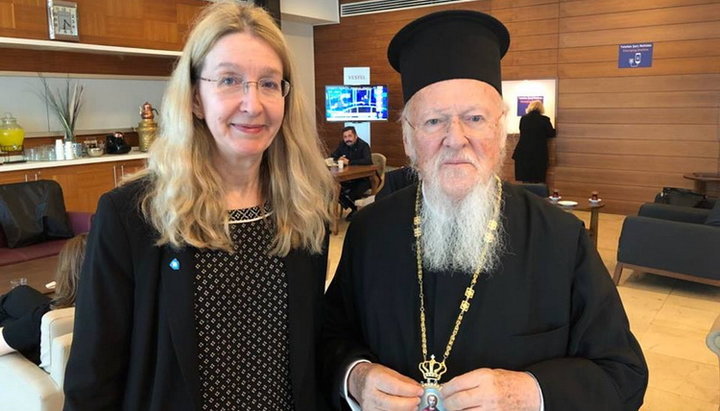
x: 714, y: 216
x: 17, y: 255
x: 33, y: 212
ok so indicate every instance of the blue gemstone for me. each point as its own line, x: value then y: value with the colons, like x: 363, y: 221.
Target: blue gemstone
x: 175, y: 264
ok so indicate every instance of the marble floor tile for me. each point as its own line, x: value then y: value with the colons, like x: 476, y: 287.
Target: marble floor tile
x: 678, y: 342
x: 683, y: 317
x: 659, y: 400
x: 641, y: 307
x: 683, y: 377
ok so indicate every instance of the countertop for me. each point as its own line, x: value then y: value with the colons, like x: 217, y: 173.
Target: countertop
x: 105, y: 158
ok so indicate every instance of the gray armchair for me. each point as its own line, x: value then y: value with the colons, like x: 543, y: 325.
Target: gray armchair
x: 672, y: 241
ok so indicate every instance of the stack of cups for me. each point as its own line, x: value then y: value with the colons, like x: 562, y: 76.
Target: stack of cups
x: 69, y: 153
x: 59, y: 150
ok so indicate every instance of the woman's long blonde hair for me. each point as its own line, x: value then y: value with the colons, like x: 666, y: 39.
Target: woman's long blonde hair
x: 185, y: 198
x: 69, y: 263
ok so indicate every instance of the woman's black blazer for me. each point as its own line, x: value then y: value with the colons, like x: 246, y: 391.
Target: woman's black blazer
x: 134, y: 343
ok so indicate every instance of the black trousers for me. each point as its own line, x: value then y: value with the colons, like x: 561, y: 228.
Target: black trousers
x: 20, y: 301
x: 353, y: 190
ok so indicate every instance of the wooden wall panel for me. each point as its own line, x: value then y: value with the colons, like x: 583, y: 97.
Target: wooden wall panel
x: 677, y: 148
x: 652, y: 132
x: 637, y: 116
x: 624, y: 132
x: 80, y: 63
x: 664, y: 50
x: 584, y: 7
x: 526, y: 13
x: 640, y: 18
x: 660, y: 67
x: 7, y: 19
x: 153, y: 24
x: 693, y: 82
x: 631, y: 162
x: 648, y: 99
x: 511, y: 4
x: 664, y: 32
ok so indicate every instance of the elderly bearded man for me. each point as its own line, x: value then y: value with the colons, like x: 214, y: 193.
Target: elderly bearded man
x: 462, y: 286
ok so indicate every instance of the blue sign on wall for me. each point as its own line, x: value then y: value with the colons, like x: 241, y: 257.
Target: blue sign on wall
x: 524, y: 101
x: 635, y: 55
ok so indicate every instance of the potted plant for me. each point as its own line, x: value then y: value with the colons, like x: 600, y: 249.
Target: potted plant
x: 65, y: 104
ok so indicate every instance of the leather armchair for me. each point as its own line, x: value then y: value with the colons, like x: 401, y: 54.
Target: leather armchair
x: 672, y: 241
x: 25, y: 386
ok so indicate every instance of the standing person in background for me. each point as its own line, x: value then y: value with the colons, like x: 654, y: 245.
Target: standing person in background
x: 22, y: 309
x: 352, y: 150
x: 204, y: 273
x: 531, y: 154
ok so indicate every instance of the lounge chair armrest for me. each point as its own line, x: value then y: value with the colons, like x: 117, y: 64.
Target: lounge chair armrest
x: 674, y: 213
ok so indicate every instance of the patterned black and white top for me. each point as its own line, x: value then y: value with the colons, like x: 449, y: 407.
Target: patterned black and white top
x: 241, y: 315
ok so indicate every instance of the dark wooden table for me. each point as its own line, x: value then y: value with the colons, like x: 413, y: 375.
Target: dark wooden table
x: 351, y: 173
x: 701, y: 180
x: 586, y: 205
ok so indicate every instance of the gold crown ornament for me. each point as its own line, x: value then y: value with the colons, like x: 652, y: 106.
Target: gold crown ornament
x: 432, y: 370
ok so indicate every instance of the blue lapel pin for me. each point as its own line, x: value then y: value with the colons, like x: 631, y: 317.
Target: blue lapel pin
x: 175, y: 264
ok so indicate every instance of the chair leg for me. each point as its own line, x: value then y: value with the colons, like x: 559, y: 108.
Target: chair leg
x: 618, y: 273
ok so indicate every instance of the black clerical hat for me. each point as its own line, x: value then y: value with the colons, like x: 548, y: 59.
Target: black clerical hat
x: 448, y: 45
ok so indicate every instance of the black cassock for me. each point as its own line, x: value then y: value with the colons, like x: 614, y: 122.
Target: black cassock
x: 531, y: 151
x: 550, y: 308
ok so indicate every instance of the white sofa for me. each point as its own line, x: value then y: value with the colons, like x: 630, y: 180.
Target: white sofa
x: 26, y: 387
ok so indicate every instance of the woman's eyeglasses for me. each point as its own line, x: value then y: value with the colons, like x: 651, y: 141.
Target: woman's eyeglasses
x: 267, y: 87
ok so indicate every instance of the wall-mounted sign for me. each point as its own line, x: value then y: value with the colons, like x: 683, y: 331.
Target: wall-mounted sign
x: 356, y: 76
x: 524, y: 101
x: 635, y: 55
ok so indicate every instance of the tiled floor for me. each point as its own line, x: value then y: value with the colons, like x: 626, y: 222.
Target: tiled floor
x: 669, y: 317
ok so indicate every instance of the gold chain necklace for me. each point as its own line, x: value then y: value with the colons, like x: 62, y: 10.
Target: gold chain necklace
x: 432, y: 370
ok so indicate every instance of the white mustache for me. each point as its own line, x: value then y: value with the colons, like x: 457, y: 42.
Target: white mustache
x: 446, y: 156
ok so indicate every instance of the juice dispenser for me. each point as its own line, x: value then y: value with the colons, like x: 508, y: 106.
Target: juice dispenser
x: 11, y: 134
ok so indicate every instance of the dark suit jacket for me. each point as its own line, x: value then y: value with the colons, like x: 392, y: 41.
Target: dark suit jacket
x: 135, y: 344
x: 358, y: 153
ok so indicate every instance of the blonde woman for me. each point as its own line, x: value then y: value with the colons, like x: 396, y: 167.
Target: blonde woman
x: 22, y: 309
x: 204, y: 274
x: 531, y: 153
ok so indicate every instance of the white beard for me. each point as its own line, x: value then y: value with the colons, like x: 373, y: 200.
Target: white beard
x: 453, y: 230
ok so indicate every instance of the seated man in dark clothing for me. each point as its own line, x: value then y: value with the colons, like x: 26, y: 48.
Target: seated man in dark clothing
x: 352, y: 151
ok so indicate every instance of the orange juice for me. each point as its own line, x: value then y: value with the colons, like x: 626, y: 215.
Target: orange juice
x: 11, y: 134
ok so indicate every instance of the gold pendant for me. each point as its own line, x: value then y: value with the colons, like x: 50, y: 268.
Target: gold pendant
x: 431, y: 399
x: 432, y: 371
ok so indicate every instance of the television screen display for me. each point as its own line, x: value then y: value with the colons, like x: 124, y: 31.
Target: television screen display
x: 356, y: 103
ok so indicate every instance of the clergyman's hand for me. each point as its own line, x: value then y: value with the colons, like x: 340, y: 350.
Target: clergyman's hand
x: 376, y: 387
x: 491, y: 389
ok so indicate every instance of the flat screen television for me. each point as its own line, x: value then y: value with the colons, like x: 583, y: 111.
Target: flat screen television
x: 356, y: 103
